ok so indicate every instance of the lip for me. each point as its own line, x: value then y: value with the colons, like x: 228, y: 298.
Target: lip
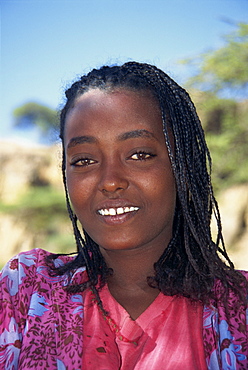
x: 116, y: 203
x: 118, y: 218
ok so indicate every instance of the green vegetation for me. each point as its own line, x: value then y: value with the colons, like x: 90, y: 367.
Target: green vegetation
x: 218, y: 73
x: 33, y: 114
x: 226, y: 130
x: 225, y: 68
x: 43, y: 209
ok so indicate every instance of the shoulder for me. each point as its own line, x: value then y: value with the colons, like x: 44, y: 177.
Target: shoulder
x: 228, y: 306
x: 23, y: 268
x: 219, y: 287
x: 18, y: 269
x: 245, y: 274
x: 228, y: 302
x: 33, y: 259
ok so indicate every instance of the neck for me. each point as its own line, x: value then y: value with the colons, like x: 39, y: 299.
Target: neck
x: 128, y: 283
x: 131, y: 267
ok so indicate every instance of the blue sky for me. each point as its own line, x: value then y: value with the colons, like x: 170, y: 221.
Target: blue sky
x: 46, y: 44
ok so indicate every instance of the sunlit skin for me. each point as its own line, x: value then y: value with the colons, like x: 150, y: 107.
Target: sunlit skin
x: 117, y: 161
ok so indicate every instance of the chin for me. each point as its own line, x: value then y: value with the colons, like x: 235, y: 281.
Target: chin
x: 115, y: 246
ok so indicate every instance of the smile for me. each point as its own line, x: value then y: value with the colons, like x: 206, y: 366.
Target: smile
x: 116, y: 211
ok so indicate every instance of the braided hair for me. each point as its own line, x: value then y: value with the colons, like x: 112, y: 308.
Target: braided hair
x: 192, y: 260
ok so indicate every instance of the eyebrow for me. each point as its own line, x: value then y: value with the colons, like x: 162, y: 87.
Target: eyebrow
x: 81, y: 140
x: 136, y: 133
x: 122, y: 137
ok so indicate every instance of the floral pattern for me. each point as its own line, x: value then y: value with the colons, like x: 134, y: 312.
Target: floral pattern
x: 226, y: 337
x: 41, y: 324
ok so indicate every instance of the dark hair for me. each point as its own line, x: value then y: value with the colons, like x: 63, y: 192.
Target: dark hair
x: 192, y: 261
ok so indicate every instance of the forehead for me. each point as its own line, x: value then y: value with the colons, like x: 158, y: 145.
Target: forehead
x: 118, y: 106
x: 118, y: 97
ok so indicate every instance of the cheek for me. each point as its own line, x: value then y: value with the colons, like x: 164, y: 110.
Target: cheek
x: 163, y: 183
x: 79, y: 191
x: 165, y: 195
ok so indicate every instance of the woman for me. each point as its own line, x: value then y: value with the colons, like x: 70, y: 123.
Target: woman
x: 148, y: 288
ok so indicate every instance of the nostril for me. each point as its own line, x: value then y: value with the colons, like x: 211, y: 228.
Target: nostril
x: 113, y: 185
x: 112, y: 188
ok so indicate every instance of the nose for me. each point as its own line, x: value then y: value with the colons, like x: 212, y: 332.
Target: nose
x: 113, y: 178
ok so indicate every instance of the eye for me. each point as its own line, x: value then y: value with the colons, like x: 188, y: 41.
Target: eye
x: 82, y: 162
x: 142, y: 156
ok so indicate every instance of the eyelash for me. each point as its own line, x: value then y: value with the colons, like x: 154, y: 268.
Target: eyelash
x: 142, y: 156
x: 85, y: 162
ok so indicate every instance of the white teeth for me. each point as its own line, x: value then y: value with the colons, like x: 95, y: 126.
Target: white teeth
x: 118, y: 211
x: 112, y: 211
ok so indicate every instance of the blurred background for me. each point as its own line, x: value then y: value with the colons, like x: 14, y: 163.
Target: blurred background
x: 47, y: 44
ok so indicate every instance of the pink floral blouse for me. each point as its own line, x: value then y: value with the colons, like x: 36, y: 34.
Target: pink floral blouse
x: 41, y: 325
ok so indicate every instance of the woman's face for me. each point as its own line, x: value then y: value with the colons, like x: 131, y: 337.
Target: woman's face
x: 119, y: 175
